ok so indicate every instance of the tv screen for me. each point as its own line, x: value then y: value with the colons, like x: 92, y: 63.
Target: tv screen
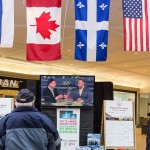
x: 67, y: 90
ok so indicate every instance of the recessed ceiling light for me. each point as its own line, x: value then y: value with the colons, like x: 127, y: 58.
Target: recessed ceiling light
x: 68, y: 50
x: 135, y: 53
x: 126, y: 65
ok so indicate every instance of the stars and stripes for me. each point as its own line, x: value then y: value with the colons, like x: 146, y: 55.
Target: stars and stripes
x: 136, y: 15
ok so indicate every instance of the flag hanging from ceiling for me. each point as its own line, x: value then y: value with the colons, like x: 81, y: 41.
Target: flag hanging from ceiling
x: 6, y: 23
x: 136, y: 15
x: 43, y: 30
x: 91, y: 23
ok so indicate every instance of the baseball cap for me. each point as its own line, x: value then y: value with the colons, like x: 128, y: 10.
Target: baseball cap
x: 25, y: 96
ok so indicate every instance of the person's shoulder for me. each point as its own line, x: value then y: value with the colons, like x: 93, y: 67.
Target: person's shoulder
x: 46, y: 90
x: 43, y: 117
x: 4, y: 119
x: 86, y: 88
x: 47, y: 122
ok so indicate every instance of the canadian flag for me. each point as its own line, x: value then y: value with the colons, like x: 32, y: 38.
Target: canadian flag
x: 43, y: 30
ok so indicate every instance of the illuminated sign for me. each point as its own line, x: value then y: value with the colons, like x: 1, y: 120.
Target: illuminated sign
x: 9, y: 83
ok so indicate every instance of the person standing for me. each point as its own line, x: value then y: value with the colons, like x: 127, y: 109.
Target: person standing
x: 25, y: 128
x: 148, y: 134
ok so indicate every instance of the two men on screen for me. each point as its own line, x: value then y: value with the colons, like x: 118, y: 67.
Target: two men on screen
x: 50, y: 93
x: 82, y: 94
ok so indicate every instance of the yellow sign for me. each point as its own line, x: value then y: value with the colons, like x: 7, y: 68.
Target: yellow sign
x: 9, y: 83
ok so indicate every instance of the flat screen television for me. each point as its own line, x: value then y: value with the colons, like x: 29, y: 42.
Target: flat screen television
x: 67, y: 90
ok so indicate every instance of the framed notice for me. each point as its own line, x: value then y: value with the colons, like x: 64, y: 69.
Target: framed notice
x: 68, y: 126
x: 6, y: 106
x: 119, y: 124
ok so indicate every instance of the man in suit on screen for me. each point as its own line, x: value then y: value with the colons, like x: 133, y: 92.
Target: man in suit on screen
x: 82, y: 94
x: 50, y: 94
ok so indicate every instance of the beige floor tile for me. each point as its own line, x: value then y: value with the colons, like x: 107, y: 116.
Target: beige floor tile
x: 140, y: 140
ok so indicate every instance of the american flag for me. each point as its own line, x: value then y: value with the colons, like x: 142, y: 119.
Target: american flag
x: 136, y: 25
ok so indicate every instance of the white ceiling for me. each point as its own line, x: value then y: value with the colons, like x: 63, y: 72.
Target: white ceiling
x: 123, y: 68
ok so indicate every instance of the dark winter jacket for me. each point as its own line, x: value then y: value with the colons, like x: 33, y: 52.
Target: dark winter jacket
x: 27, y: 129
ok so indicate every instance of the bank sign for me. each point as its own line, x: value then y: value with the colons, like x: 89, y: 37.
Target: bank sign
x: 9, y: 83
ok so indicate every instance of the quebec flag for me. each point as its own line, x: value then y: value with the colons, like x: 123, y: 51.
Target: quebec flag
x: 92, y: 23
x: 6, y: 23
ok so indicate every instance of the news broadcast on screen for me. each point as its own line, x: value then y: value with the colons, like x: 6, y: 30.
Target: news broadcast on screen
x: 67, y: 90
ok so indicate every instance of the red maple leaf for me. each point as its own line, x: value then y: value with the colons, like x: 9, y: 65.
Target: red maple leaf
x: 44, y: 25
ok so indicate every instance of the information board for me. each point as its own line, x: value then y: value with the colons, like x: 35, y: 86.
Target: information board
x: 68, y: 126
x: 119, y: 124
x: 5, y: 106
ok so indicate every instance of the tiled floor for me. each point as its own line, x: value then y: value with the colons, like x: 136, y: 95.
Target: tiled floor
x: 140, y: 140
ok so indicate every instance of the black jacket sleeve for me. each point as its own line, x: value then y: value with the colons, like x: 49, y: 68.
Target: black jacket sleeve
x: 53, y: 144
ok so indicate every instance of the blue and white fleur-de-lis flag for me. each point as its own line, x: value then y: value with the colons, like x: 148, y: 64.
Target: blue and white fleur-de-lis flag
x: 91, y: 23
